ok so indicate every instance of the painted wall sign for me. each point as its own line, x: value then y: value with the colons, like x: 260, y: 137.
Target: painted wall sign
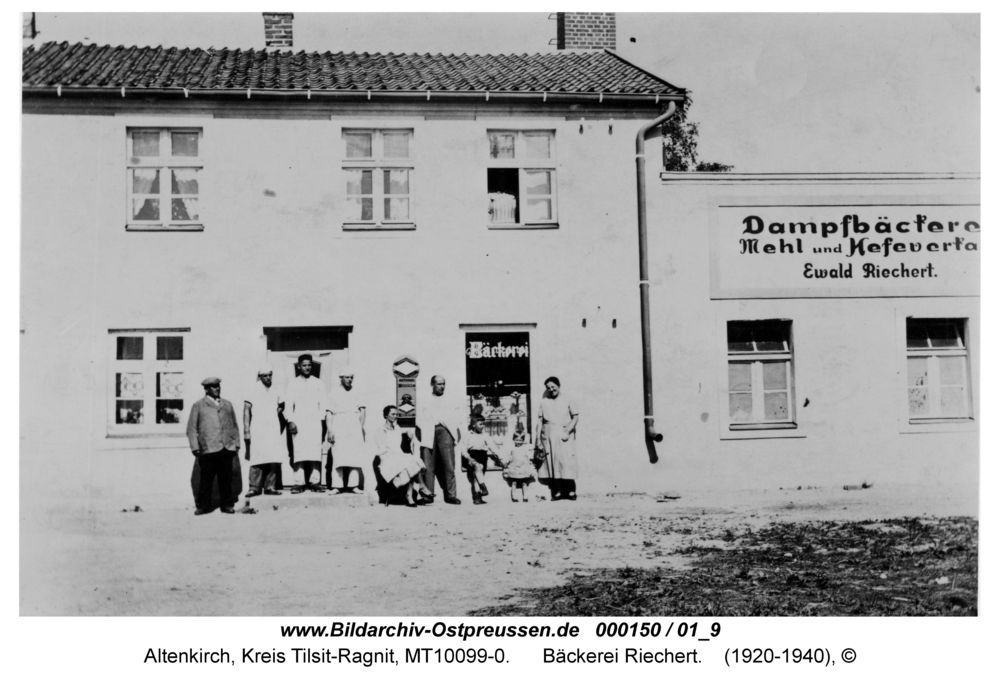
x: 406, y: 369
x: 779, y: 251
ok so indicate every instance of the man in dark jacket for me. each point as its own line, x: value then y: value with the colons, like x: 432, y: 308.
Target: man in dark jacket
x: 215, y: 439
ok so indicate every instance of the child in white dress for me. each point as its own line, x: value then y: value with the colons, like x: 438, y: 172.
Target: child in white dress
x: 518, y: 468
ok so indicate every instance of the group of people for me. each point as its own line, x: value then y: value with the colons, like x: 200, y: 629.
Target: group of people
x: 305, y: 423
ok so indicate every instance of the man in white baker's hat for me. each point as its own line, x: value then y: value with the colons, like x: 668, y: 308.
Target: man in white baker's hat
x: 349, y: 454
x: 261, y: 410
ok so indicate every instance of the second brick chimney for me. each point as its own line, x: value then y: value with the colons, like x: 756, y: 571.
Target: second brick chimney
x: 585, y: 30
x: 278, y: 29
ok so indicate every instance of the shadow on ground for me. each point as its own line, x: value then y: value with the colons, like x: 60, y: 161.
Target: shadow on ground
x: 901, y: 567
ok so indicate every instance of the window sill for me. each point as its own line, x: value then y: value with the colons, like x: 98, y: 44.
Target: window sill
x: 379, y: 227
x: 957, y: 425
x: 164, y: 228
x: 524, y: 225
x: 761, y: 431
x: 762, y: 426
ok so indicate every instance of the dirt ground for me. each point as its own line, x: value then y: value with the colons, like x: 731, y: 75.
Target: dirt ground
x: 440, y: 560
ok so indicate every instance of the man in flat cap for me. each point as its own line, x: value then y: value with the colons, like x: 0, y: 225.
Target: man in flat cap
x: 263, y: 410
x: 214, y: 437
x: 347, y: 425
x: 305, y: 411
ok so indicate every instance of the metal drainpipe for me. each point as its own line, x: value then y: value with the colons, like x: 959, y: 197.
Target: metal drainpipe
x: 652, y: 436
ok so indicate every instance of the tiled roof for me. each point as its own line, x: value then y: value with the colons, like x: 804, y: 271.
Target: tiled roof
x: 94, y: 66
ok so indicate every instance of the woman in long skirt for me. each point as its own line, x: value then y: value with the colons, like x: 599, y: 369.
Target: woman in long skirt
x: 555, y: 436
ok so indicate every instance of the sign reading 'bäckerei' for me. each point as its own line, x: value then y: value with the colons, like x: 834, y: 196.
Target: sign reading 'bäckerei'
x: 846, y: 251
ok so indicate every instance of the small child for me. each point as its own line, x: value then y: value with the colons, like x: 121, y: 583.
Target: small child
x: 518, y: 468
x: 475, y: 450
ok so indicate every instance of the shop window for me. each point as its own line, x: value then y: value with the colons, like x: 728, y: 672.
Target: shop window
x: 521, y: 178
x: 164, y: 174
x: 378, y: 173
x: 937, y: 369
x: 147, y: 382
x: 761, y: 382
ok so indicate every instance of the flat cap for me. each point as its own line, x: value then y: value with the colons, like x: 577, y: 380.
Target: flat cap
x: 211, y: 380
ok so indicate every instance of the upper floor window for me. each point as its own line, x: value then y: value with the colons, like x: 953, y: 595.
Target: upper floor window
x: 521, y: 178
x: 164, y: 168
x: 937, y: 369
x: 760, y: 374
x: 146, y: 382
x: 378, y: 170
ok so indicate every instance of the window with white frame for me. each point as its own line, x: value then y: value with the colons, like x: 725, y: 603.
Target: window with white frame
x: 937, y: 369
x: 146, y: 382
x: 378, y: 169
x: 760, y: 374
x: 521, y: 178
x: 164, y: 170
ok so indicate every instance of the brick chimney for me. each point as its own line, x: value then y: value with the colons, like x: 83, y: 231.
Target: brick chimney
x: 278, y: 29
x: 585, y: 30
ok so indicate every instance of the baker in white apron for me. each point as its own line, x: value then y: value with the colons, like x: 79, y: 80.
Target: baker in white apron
x: 305, y: 410
x: 350, y: 454
x: 266, y: 449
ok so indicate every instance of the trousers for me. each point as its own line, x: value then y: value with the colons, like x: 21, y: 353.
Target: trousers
x: 440, y: 459
x: 216, y: 465
x: 264, y: 476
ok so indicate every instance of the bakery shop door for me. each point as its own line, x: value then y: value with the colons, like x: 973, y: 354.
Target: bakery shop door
x: 498, y: 380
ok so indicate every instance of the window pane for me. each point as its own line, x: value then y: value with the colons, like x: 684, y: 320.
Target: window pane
x: 944, y: 336
x: 501, y: 145
x: 170, y: 384
x: 145, y: 181
x: 916, y: 371
x: 170, y: 348
x: 359, y: 182
x: 129, y: 347
x: 953, y: 402
x: 184, y: 181
x: 397, y: 209
x: 740, y: 406
x: 396, y: 181
x: 776, y: 406
x: 775, y: 375
x: 146, y: 143
x: 537, y: 146
x: 918, y: 402
x: 396, y: 144
x: 145, y: 209
x: 952, y: 370
x: 184, y: 209
x: 129, y: 385
x: 740, y: 337
x: 538, y: 210
x: 916, y: 334
x: 169, y: 411
x: 128, y: 411
x: 359, y: 209
x: 739, y: 376
x: 184, y: 143
x: 770, y: 337
x: 359, y: 144
x: 538, y: 182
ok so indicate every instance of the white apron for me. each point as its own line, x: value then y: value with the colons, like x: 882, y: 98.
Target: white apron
x: 305, y: 406
x: 267, y: 442
x: 349, y: 449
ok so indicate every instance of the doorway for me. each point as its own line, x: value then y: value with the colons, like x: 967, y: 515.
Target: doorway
x: 498, y: 380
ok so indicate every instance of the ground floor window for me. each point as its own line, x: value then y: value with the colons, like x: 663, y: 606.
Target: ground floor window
x: 937, y: 369
x: 147, y: 382
x: 498, y: 380
x: 760, y: 374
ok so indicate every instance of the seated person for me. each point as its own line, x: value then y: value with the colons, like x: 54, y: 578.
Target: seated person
x: 476, y: 450
x: 397, y: 469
